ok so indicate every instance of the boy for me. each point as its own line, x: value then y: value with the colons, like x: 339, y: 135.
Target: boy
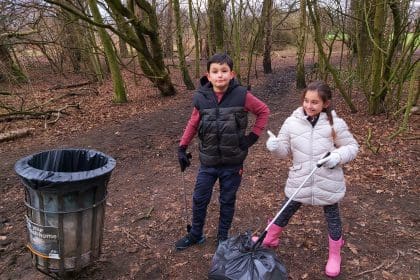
x: 220, y: 119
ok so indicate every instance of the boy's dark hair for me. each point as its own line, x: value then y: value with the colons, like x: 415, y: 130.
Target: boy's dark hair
x: 220, y: 58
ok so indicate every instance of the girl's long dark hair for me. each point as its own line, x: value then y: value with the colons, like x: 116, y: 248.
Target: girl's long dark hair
x: 325, y: 93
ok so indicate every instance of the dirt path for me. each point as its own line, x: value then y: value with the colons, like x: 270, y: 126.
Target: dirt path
x: 380, y: 211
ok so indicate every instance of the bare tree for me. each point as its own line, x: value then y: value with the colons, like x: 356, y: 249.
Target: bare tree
x: 14, y: 27
x: 140, y: 30
x: 194, y: 20
x: 267, y: 30
x: 236, y: 11
x: 315, y: 20
x: 385, y: 58
x: 180, y: 46
x: 168, y: 35
x: 216, y: 15
x: 120, y: 95
x: 301, y: 47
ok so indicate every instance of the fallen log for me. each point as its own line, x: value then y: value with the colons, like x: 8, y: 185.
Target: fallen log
x: 15, y: 134
x: 19, y: 115
x: 61, y: 86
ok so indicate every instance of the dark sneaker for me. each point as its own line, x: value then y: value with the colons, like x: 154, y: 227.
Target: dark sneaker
x: 188, y: 241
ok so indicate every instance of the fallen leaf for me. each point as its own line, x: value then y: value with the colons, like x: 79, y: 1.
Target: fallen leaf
x: 388, y: 275
x: 181, y: 264
x: 352, y: 248
x: 354, y: 263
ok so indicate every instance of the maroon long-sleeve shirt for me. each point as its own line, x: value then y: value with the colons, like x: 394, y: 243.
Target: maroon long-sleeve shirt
x: 252, y: 104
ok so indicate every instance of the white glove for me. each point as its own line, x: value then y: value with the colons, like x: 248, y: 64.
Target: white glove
x: 273, y: 143
x: 330, y: 161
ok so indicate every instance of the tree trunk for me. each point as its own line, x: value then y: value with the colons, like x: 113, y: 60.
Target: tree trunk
x: 301, y: 46
x: 216, y: 23
x: 122, y: 45
x: 267, y: 18
x: 142, y: 34
x: 395, y: 41
x: 375, y: 100
x: 236, y: 37
x: 118, y: 83
x: 168, y: 39
x: 10, y: 71
x: 92, y: 56
x: 72, y: 40
x: 362, y: 46
x: 413, y: 95
x: 194, y: 27
x: 182, y: 63
x: 159, y: 77
x: 211, y: 36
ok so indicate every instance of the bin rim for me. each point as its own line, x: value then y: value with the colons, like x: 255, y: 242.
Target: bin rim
x: 26, y: 171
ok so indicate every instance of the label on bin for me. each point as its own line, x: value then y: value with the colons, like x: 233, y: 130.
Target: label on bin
x: 43, y: 240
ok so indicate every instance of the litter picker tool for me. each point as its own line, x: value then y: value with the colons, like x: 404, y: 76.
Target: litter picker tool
x: 262, y: 236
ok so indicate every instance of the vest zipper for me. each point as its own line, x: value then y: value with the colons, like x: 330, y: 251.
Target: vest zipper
x: 218, y: 124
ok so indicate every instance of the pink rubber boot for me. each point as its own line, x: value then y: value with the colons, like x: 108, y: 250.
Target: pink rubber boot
x: 332, y: 269
x: 271, y: 240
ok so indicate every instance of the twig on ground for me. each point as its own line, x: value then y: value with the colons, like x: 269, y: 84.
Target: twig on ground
x: 147, y: 216
x: 371, y: 270
x: 415, y: 137
x: 399, y: 253
x: 52, y: 100
x: 129, y: 235
x: 395, y: 260
x: 61, y: 111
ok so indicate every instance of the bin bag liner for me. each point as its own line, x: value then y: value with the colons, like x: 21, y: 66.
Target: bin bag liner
x: 65, y: 169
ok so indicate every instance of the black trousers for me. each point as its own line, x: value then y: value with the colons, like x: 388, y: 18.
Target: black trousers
x: 331, y: 212
x: 229, y: 179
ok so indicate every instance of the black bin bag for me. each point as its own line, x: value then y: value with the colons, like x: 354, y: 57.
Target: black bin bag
x: 236, y: 259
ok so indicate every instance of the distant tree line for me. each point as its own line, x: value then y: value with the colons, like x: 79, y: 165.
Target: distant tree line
x: 377, y: 42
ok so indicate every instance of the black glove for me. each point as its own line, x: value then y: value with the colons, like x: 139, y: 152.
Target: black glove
x: 248, y: 141
x: 184, y: 158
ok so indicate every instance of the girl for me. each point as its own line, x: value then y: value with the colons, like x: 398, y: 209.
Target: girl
x: 308, y: 134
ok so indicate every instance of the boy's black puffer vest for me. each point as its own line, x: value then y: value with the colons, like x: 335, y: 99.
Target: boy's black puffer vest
x: 222, y: 125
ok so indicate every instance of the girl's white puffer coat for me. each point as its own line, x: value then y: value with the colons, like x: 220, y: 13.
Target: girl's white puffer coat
x: 308, y: 144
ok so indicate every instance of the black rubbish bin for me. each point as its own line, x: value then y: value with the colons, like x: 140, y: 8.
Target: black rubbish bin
x: 65, y: 194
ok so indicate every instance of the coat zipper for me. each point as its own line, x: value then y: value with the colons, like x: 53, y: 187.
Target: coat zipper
x: 312, y: 156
